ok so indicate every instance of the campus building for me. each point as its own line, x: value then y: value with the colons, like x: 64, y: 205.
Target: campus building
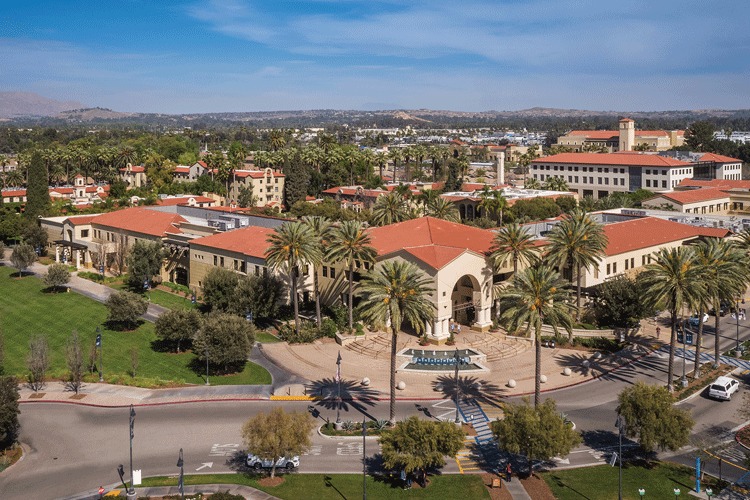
x: 627, y: 138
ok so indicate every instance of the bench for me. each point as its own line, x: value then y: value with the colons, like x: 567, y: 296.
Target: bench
x: 496, y: 483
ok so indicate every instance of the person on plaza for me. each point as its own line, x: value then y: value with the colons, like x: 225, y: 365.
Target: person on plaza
x: 508, y: 472
x: 458, y: 329
x: 658, y: 332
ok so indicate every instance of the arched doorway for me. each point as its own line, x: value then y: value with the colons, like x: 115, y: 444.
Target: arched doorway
x: 465, y: 300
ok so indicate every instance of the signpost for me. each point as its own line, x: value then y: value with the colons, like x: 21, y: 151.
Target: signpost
x: 697, y: 474
x: 101, y: 354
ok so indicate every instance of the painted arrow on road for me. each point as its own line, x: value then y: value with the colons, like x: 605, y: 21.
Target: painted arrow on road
x: 205, y: 464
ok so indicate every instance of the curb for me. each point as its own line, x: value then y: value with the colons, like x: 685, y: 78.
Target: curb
x: 295, y: 398
x: 163, y: 403
x: 346, y: 438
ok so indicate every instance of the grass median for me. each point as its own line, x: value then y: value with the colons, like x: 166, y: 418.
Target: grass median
x: 337, y: 486
x: 27, y: 309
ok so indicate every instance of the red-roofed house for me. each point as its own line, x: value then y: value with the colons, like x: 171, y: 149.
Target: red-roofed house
x: 190, y: 200
x: 267, y: 186
x: 346, y: 195
x: 190, y: 173
x: 624, y: 139
x: 134, y: 176
x: 712, y: 166
x: 696, y: 201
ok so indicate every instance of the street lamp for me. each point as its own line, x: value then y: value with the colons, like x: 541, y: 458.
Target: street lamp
x: 456, y: 360
x: 683, y: 380
x: 101, y: 353
x: 737, y: 317
x: 131, y: 491
x: 207, y: 383
x: 676, y: 492
x: 709, y: 493
x: 620, y: 426
x: 338, y: 394
x: 642, y: 492
x: 181, y: 480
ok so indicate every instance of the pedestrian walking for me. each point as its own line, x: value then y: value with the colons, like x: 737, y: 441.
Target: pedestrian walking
x: 508, y: 472
x: 658, y: 332
x: 459, y: 329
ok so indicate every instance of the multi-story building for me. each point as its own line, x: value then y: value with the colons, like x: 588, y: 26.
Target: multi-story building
x: 134, y: 176
x: 267, y: 186
x: 190, y: 173
x: 625, y: 139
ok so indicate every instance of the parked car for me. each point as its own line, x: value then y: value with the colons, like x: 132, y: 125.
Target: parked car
x: 724, y: 308
x: 695, y: 320
x: 258, y: 463
x: 723, y: 388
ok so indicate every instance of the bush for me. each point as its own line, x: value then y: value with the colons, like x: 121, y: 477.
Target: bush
x: 57, y: 276
x: 91, y: 276
x: 328, y: 328
x: 125, y: 308
x: 175, y: 287
x: 308, y: 332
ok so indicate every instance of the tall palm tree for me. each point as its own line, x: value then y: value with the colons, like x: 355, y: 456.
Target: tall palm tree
x: 292, y: 245
x: 723, y: 274
x: 389, y: 209
x: 674, y: 280
x: 513, y: 242
x: 441, y: 208
x: 537, y: 296
x: 395, y: 155
x: 321, y: 227
x: 350, y: 243
x: 556, y: 183
x: 578, y: 242
x: 532, y: 183
x: 381, y: 159
x: 398, y: 291
x: 492, y: 203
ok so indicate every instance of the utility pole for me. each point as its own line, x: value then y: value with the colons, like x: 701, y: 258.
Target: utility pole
x: 131, y: 492
x: 101, y: 353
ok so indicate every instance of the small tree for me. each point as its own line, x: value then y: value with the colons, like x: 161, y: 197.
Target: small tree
x: 120, y: 253
x: 420, y: 444
x: 22, y: 257
x: 74, y: 359
x: 144, y: 262
x: 57, y: 276
x: 125, y: 308
x: 260, y: 295
x: 178, y: 326
x: 2, y: 249
x: 226, y: 339
x: 651, y: 418
x: 37, y: 362
x: 278, y: 434
x: 35, y: 236
x: 9, y: 424
x: 540, y: 432
x: 218, y: 288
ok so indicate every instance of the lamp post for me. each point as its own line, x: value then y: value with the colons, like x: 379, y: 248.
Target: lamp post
x: 676, y: 492
x: 709, y: 493
x: 737, y: 317
x: 683, y: 380
x: 338, y: 393
x: 131, y: 491
x: 207, y: 383
x: 642, y: 492
x: 364, y: 459
x: 620, y: 424
x: 456, y: 360
x: 101, y: 353
x: 181, y: 480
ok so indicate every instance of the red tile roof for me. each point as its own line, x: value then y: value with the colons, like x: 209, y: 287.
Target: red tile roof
x: 134, y: 168
x: 182, y: 169
x: 351, y: 191
x: 81, y: 220
x: 719, y: 158
x: 14, y: 192
x: 140, y: 220
x: 435, y: 242
x: 183, y: 200
x: 615, y: 134
x: 694, y: 195
x: 618, y: 159
x: 715, y: 183
x: 648, y: 232
x: 255, y: 174
x: 249, y: 241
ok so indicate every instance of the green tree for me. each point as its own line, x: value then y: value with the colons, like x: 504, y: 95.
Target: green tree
x: 492, y: 204
x: 296, y: 182
x: 567, y: 204
x: 37, y: 362
x: 536, y: 296
x: 277, y: 434
x: 513, y: 242
x: 125, y: 308
x: 178, y: 326
x: 260, y: 295
x: 219, y: 289
x: 22, y: 257
x: 57, y: 276
x: 144, y: 262
x: 577, y: 243
x: 245, y: 198
x: 650, y: 417
x: 74, y: 360
x: 389, y: 209
x: 699, y: 135
x: 349, y: 243
x: 226, y: 339
x: 532, y: 183
x: 619, y: 302
x: 441, y: 208
x: 9, y: 410
x: 540, y: 432
x: 531, y: 209
x: 416, y: 444
x: 293, y: 245
x: 673, y: 279
x: 35, y: 236
x: 37, y: 193
x: 556, y: 183
x: 321, y: 228
x: 397, y: 291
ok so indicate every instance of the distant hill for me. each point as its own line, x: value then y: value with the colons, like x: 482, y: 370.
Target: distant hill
x: 20, y: 104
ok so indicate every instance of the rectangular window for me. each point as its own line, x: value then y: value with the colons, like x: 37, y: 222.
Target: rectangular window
x: 236, y: 265
x: 643, y: 260
x: 84, y: 233
x: 632, y: 262
x: 614, y: 267
x: 576, y: 179
x: 663, y: 184
x: 325, y: 271
x: 609, y: 269
x: 257, y: 270
x: 648, y: 183
x: 606, y: 181
x: 221, y: 261
x: 591, y: 180
x: 333, y: 273
x: 627, y: 264
x: 216, y: 260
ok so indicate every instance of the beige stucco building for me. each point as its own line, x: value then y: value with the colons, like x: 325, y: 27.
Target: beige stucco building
x: 267, y: 186
x: 625, y: 139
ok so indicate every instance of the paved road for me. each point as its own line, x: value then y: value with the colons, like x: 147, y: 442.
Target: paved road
x: 73, y: 448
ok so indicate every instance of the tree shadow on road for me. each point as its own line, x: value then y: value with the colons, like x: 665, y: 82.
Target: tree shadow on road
x: 354, y: 395
x: 470, y: 386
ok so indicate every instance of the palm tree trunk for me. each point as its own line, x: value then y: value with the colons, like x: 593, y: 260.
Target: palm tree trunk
x: 351, y: 295
x: 538, y: 367
x: 295, y: 301
x: 672, y: 346
x: 394, y: 339
x: 717, y: 351
x: 316, y: 286
x: 698, y: 338
x: 578, y: 293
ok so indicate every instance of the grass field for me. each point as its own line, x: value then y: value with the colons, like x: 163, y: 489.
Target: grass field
x: 601, y: 482
x: 338, y: 486
x: 26, y: 309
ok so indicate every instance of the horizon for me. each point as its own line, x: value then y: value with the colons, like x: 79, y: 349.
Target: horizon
x: 225, y: 56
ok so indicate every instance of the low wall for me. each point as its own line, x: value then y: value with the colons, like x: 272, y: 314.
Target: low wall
x: 580, y: 332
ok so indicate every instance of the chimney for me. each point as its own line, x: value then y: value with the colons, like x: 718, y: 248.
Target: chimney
x: 500, y: 178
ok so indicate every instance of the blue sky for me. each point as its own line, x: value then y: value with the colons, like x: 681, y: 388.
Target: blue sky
x: 473, y: 55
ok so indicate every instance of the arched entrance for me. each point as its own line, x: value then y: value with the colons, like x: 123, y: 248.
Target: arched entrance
x: 465, y: 300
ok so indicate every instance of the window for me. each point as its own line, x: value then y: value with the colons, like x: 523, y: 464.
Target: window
x: 333, y: 273
x: 632, y: 262
x: 663, y: 184
x: 84, y: 233
x: 614, y: 267
x: 627, y: 264
x: 648, y: 183
x: 257, y: 270
x: 606, y: 181
x: 216, y: 260
x: 643, y: 260
x: 236, y: 265
x: 609, y: 269
x: 221, y: 261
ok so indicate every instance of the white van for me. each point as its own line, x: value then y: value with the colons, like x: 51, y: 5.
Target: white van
x: 723, y: 388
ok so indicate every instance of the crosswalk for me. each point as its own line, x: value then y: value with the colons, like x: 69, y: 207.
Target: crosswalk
x: 706, y: 357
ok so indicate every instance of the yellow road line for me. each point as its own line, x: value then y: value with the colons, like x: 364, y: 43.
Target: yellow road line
x: 728, y: 462
x: 460, y: 469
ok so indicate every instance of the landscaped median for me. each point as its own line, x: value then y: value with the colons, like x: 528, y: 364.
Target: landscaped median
x: 129, y: 357
x: 337, y: 486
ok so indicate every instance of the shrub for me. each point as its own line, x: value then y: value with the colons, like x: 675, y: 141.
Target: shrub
x: 57, y: 276
x: 308, y: 332
x: 328, y: 328
x: 90, y: 276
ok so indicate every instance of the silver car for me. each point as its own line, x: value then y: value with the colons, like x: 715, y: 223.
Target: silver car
x: 257, y: 463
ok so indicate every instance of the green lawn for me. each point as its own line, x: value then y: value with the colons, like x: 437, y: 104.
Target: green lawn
x: 266, y: 337
x: 338, y: 486
x: 601, y: 482
x: 169, y: 300
x: 25, y: 309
